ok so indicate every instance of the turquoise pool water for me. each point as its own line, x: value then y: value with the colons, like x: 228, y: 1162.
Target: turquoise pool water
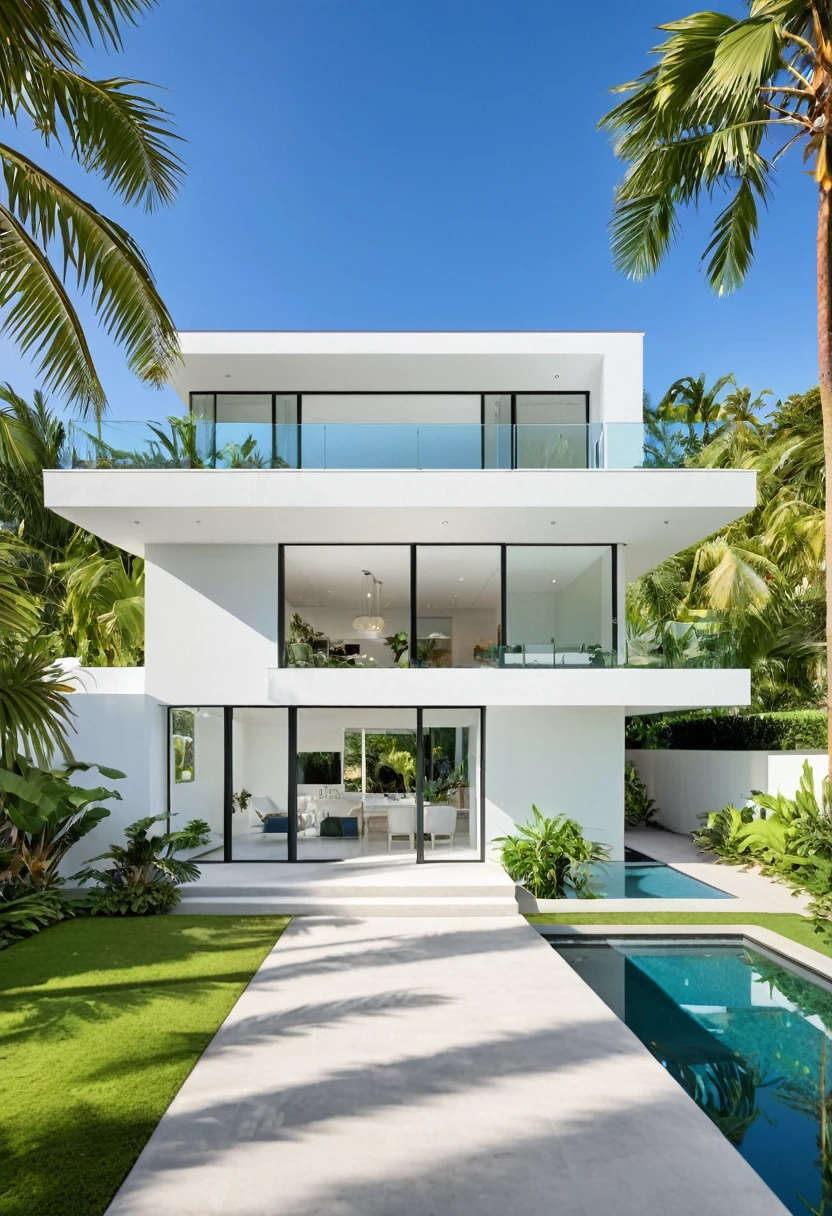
x: 748, y: 1038
x: 650, y: 880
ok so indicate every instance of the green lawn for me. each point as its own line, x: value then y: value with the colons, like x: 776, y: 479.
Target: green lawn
x: 100, y: 1023
x: 790, y: 924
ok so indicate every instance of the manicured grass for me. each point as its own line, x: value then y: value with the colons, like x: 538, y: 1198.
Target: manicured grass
x: 100, y: 1023
x: 798, y: 928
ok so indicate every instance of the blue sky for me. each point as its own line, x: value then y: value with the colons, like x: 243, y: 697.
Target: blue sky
x: 427, y: 164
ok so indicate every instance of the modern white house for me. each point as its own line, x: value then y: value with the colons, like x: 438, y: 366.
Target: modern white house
x: 385, y: 581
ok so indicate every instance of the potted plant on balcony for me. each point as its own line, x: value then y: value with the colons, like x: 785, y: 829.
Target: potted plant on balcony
x: 399, y: 644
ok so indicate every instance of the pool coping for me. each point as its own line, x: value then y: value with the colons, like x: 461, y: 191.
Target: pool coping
x: 766, y: 939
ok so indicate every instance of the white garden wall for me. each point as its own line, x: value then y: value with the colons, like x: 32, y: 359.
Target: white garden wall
x: 119, y: 726
x: 566, y: 761
x: 687, y: 784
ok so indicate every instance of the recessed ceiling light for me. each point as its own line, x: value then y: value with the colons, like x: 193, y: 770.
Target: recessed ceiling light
x: 228, y: 375
x: 667, y: 521
x: 444, y: 523
x: 552, y: 521
x: 135, y: 521
x: 199, y: 521
x: 427, y: 605
x: 554, y: 580
x: 462, y: 580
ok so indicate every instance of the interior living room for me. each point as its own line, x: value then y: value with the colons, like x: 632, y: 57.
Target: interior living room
x: 355, y: 774
x: 355, y: 605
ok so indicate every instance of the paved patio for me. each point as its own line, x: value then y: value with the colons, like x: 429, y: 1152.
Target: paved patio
x: 757, y: 893
x: 408, y: 1067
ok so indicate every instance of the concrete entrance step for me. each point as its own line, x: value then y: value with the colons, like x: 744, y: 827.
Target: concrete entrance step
x: 200, y: 902
x: 239, y: 888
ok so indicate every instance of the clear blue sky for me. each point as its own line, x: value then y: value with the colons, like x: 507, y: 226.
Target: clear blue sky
x: 427, y: 164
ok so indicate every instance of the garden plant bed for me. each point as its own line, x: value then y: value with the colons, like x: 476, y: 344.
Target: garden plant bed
x: 101, y: 1022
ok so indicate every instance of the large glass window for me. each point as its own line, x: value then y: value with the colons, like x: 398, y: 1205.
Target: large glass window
x: 260, y: 818
x: 559, y: 606
x: 371, y: 807
x: 458, y: 605
x: 196, y: 773
x: 451, y: 790
x: 347, y: 605
x: 552, y: 431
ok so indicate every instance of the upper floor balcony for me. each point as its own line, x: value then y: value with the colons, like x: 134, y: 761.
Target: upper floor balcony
x: 194, y: 442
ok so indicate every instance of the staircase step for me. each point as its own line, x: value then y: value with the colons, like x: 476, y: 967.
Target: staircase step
x: 336, y: 891
x: 389, y: 905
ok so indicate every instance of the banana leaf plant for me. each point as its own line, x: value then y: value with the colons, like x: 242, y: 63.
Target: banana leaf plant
x: 43, y: 814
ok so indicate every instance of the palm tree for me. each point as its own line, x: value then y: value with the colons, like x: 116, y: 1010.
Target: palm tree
x: 49, y: 235
x: 690, y: 401
x: 693, y: 126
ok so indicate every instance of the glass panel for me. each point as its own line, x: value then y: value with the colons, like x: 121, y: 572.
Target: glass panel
x: 552, y: 431
x: 347, y: 605
x: 260, y: 823
x: 244, y: 407
x: 416, y: 409
x: 371, y: 807
x: 452, y: 784
x: 546, y: 408
x: 196, y: 773
x: 497, y: 434
x: 287, y: 433
x: 243, y: 435
x: 559, y: 606
x: 458, y: 605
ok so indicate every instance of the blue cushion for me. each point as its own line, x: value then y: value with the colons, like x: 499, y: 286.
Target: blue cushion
x: 276, y: 823
x: 350, y: 825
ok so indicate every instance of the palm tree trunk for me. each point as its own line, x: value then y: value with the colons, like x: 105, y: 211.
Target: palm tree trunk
x: 824, y: 252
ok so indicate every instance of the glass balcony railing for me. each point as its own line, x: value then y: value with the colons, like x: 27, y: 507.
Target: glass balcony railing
x: 189, y: 443
x: 683, y: 646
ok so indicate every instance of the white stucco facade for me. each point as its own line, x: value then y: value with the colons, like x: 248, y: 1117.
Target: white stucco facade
x: 542, y: 717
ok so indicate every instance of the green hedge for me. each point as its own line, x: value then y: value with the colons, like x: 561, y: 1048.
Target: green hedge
x: 772, y: 732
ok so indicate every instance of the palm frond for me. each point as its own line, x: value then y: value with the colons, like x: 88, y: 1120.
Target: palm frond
x: 105, y: 260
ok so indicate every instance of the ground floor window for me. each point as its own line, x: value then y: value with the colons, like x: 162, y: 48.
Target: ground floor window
x: 330, y: 783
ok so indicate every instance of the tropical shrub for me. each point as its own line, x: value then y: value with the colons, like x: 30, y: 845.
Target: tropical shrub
x: 551, y: 857
x: 42, y: 815
x: 639, y: 807
x: 789, y: 838
x: 23, y: 912
x: 713, y: 730
x: 145, y: 873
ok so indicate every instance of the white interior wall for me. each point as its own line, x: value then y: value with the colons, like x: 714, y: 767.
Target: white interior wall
x: 210, y: 622
x: 567, y: 761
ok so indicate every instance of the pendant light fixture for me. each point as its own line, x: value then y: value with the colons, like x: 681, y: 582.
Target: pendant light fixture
x: 365, y: 604
x: 376, y: 620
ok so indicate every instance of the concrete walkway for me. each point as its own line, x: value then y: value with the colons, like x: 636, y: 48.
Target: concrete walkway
x: 758, y: 893
x: 411, y: 1067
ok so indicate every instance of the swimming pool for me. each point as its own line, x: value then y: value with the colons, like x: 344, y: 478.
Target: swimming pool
x: 747, y: 1037
x: 650, y: 880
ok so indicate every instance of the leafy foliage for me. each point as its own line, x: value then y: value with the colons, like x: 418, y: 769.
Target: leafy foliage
x: 126, y: 140
x: 639, y: 807
x: 145, y: 872
x: 790, y: 838
x: 551, y: 857
x: 758, y: 586
x: 43, y: 813
x: 716, y: 730
x: 23, y: 911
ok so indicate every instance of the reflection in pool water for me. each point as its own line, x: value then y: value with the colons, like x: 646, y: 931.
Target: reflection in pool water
x: 748, y: 1038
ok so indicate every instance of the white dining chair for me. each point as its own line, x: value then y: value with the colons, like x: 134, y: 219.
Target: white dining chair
x: 440, y: 821
x: 401, y: 822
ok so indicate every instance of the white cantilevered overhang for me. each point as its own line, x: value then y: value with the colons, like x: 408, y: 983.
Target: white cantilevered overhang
x: 655, y: 512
